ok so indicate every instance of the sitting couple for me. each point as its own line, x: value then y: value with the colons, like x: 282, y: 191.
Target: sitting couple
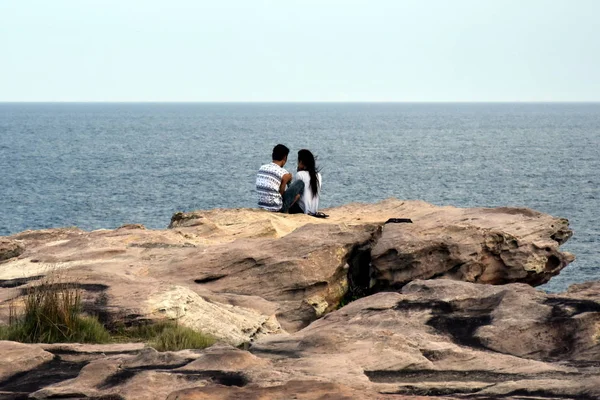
x: 277, y: 192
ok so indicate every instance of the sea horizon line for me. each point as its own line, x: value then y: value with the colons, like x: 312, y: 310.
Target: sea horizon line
x: 306, y: 102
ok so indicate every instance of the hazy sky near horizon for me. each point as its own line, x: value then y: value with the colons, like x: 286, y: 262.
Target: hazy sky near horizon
x: 304, y: 50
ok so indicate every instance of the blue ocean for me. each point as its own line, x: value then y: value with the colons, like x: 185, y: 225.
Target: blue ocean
x: 101, y: 165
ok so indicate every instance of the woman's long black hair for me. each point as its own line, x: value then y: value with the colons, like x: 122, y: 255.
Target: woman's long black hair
x: 308, y: 161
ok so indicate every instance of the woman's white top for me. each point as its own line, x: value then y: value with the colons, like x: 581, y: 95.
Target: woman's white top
x: 308, y: 203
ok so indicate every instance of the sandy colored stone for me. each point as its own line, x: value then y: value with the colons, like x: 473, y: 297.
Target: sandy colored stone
x: 301, y: 390
x: 89, y: 382
x: 157, y: 385
x: 496, y: 246
x: 243, y: 273
x: 273, y: 283
x: 143, y: 375
x: 10, y: 249
x: 225, y: 358
x: 19, y: 357
x: 87, y: 348
x: 587, y: 290
x: 227, y: 322
x: 583, y: 388
x: 513, y: 319
x: 436, y: 338
x: 238, y: 290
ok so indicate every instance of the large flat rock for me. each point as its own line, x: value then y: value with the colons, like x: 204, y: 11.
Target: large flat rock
x: 435, y: 339
x: 497, y: 246
x: 18, y: 357
x: 444, y: 337
x: 242, y: 274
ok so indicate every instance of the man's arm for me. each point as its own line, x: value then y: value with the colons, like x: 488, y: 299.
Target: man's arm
x: 284, y: 181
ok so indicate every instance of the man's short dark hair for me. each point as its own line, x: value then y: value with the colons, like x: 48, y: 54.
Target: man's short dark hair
x: 280, y: 152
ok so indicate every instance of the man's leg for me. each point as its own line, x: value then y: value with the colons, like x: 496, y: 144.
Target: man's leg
x: 292, y: 194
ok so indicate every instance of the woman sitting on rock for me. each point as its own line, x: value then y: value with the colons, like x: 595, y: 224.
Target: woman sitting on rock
x: 309, y: 174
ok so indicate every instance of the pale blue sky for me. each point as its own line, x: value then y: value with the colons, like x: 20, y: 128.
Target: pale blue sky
x: 304, y: 50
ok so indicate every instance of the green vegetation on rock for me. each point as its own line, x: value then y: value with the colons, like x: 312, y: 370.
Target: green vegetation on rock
x: 53, y: 314
x: 165, y: 336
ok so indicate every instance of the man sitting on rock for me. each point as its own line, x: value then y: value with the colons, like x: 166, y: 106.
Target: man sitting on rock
x: 272, y: 180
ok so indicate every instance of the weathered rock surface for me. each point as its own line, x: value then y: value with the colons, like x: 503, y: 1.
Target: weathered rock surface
x: 10, y: 249
x: 496, y: 246
x: 242, y: 274
x: 447, y: 338
x: 17, y: 357
x: 300, y: 390
x: 440, y: 338
x: 273, y: 282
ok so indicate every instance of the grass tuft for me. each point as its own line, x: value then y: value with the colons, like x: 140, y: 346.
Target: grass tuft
x: 52, y: 314
x: 4, y: 332
x: 167, y: 336
x: 176, y: 338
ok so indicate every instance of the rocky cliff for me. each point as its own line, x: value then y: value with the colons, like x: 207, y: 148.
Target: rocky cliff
x: 443, y: 306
